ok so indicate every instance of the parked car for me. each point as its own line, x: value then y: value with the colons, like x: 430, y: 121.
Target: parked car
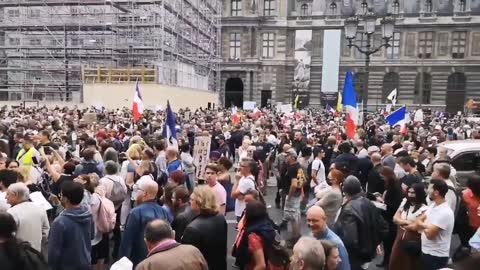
x: 465, y: 155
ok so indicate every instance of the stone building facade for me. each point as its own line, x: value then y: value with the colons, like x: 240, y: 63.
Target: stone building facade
x: 435, y: 50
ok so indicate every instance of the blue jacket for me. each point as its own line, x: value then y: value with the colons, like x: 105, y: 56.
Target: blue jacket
x: 331, y: 236
x: 69, y: 243
x: 133, y: 246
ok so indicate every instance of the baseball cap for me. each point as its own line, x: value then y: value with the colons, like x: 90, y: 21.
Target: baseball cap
x: 372, y: 149
x: 292, y: 152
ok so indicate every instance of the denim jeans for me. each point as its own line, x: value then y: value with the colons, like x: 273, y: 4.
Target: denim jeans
x: 433, y: 263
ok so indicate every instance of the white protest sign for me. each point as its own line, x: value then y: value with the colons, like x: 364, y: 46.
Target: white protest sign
x: 249, y: 105
x: 38, y: 199
x: 201, y: 154
x: 286, y: 108
x: 418, y: 117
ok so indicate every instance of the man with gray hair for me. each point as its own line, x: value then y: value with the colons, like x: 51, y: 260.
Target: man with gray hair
x: 308, y: 254
x: 132, y: 245
x: 31, y: 219
x: 166, y: 253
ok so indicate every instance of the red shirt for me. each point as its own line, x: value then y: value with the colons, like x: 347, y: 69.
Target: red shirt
x: 473, y: 204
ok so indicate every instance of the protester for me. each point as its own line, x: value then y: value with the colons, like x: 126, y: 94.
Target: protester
x: 166, y: 253
x: 308, y: 254
x: 32, y: 221
x: 14, y: 253
x: 436, y: 227
x: 361, y: 236
x: 211, y: 171
x: 317, y: 222
x: 331, y: 199
x: 391, y: 198
x: 256, y: 236
x: 332, y: 255
x: 244, y: 181
x: 183, y: 211
x: 72, y: 231
x: 7, y: 178
x: 208, y: 230
x: 407, y: 247
x: 132, y: 245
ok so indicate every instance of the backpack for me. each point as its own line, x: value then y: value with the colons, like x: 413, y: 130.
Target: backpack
x: 277, y: 254
x: 32, y: 259
x: 106, y: 215
x: 118, y: 193
x: 90, y: 167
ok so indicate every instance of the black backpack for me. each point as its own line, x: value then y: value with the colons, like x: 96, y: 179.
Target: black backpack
x: 277, y: 254
x: 31, y: 258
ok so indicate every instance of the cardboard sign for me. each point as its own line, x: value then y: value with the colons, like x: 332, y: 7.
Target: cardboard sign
x: 286, y: 108
x: 201, y: 154
x: 90, y: 118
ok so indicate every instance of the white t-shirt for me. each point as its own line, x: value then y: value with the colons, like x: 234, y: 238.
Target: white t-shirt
x: 245, y: 184
x: 442, y: 217
x: 410, y: 214
x: 317, y: 165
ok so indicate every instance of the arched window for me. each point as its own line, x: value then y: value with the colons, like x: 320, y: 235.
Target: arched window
x: 333, y: 8
x: 391, y: 81
x: 428, y: 6
x: 457, y: 81
x: 462, y: 7
x: 423, y: 83
x: 360, y: 84
x: 364, y: 7
x: 304, y: 10
x: 395, y: 7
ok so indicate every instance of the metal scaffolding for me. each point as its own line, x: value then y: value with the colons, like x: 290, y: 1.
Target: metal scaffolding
x: 46, y: 45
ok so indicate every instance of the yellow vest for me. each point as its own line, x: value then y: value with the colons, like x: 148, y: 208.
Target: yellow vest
x: 27, y: 157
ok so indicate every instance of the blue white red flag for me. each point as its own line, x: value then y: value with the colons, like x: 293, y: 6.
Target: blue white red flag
x: 350, y: 105
x: 137, y: 104
x: 399, y: 118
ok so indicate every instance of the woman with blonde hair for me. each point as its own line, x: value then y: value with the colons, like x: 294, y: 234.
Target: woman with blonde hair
x: 208, y: 227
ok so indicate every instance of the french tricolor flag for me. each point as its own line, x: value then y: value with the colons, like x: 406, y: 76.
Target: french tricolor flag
x: 137, y: 104
x: 350, y: 104
x: 399, y: 118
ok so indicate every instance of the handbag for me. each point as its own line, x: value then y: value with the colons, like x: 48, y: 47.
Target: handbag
x: 412, y: 247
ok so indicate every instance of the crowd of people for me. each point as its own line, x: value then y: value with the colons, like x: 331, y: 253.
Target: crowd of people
x: 118, y: 189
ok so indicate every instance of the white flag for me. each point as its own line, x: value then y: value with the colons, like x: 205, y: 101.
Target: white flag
x: 393, y: 96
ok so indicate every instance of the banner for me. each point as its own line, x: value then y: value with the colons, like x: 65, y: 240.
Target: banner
x: 331, y: 60
x: 303, y: 59
x: 201, y: 154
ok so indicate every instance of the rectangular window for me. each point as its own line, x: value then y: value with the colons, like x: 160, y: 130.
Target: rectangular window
x: 442, y: 47
x: 459, y: 40
x: 425, y: 44
x: 268, y: 7
x: 77, y: 42
x: 268, y: 45
x: 393, y: 52
x: 14, y: 41
x: 235, y: 45
x: 35, y: 42
x: 236, y: 7
x: 13, y: 13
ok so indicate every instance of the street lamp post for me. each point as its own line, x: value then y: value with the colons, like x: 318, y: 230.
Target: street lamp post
x: 369, y: 22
